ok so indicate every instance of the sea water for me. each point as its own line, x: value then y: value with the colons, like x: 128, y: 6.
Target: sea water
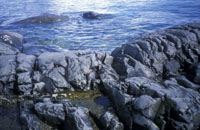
x: 128, y: 19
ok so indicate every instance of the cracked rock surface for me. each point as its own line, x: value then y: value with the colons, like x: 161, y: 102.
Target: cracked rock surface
x: 152, y: 82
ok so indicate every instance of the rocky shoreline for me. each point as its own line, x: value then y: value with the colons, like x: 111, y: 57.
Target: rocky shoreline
x: 152, y: 82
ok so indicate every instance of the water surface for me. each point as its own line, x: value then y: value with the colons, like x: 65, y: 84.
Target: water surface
x: 129, y: 19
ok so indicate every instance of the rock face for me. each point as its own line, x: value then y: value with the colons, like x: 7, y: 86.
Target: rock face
x: 152, y: 83
x: 44, y: 19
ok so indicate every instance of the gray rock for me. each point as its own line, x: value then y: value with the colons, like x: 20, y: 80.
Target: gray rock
x: 147, y: 106
x: 7, y: 49
x: 37, y: 76
x: 194, y: 73
x: 24, y: 78
x: 25, y: 63
x: 44, y: 19
x: 171, y: 68
x: 182, y: 80
x: 52, y: 113
x: 8, y: 72
x: 110, y: 122
x: 12, y: 38
x: 25, y: 89
x: 92, y: 15
x: 38, y: 88
x: 29, y: 121
x: 77, y: 119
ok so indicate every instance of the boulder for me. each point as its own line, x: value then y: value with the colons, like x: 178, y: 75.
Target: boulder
x: 44, y: 19
x: 93, y: 15
x: 110, y: 122
x: 194, y: 73
x: 53, y: 113
x: 12, y: 39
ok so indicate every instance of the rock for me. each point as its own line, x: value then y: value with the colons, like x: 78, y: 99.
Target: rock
x: 109, y: 122
x: 194, y: 73
x: 7, y: 69
x: 7, y: 49
x: 24, y: 78
x: 25, y: 89
x: 8, y: 73
x: 52, y: 113
x: 25, y: 63
x: 29, y: 121
x: 9, y: 114
x: 92, y: 15
x: 77, y: 119
x: 39, y: 88
x: 144, y: 123
x: 182, y: 80
x: 171, y: 68
x: 12, y: 38
x: 147, y: 106
x: 44, y: 19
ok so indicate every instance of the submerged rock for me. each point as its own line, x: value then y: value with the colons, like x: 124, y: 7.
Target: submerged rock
x: 93, y: 15
x: 44, y: 19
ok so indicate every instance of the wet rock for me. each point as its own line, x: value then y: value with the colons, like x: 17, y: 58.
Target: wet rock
x: 39, y: 88
x: 9, y: 114
x: 8, y: 73
x: 147, y: 106
x: 25, y: 89
x: 77, y: 119
x: 12, y: 39
x: 93, y: 15
x: 7, y: 49
x: 44, y: 19
x: 171, y: 68
x: 110, y: 122
x: 194, y: 73
x: 182, y: 80
x: 53, y: 113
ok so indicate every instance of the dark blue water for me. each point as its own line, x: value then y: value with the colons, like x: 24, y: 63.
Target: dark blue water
x: 129, y: 19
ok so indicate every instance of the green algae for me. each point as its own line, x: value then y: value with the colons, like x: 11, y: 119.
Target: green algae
x: 79, y: 95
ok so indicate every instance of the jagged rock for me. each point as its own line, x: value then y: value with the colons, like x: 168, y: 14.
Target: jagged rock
x: 7, y: 73
x: 44, y: 19
x: 9, y: 117
x: 25, y: 89
x: 110, y: 122
x: 77, y: 119
x: 194, y: 73
x: 171, y: 68
x: 39, y: 88
x: 7, y: 49
x: 147, y: 106
x: 182, y: 80
x: 25, y: 63
x: 52, y: 113
x: 12, y: 39
x: 37, y: 76
x: 24, y: 78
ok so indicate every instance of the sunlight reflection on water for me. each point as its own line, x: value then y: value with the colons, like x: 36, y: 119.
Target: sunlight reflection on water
x: 128, y: 19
